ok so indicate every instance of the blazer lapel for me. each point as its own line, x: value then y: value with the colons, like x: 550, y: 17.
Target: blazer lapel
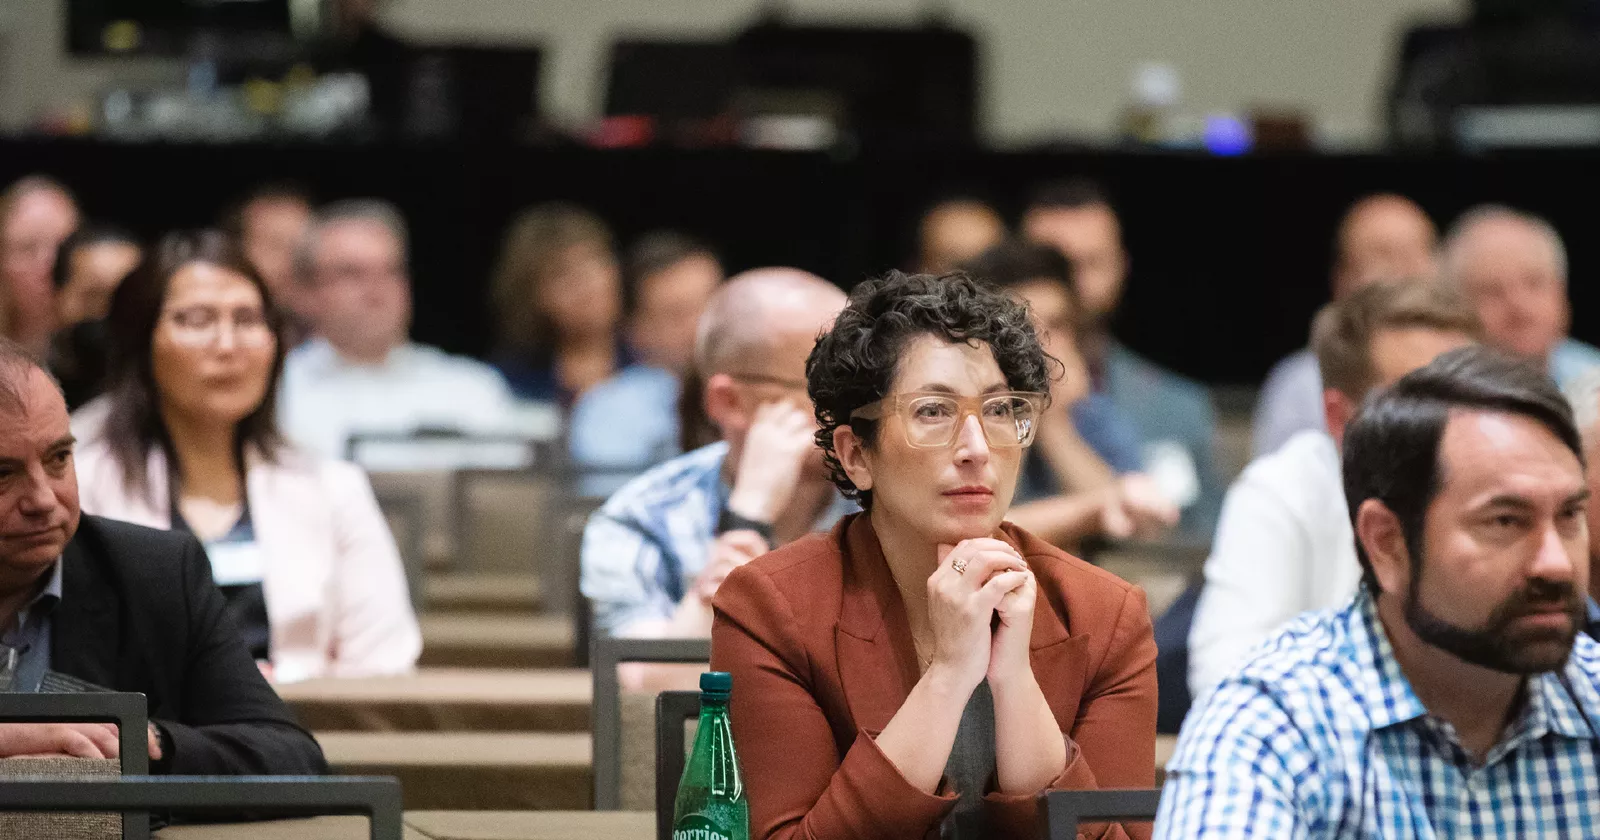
x: 85, y: 630
x: 876, y: 666
x: 1060, y: 659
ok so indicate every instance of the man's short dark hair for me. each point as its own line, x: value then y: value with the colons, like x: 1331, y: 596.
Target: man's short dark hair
x: 1343, y: 331
x: 652, y: 254
x: 1391, y: 449
x: 1013, y: 264
x: 854, y: 362
x: 1068, y: 194
x: 232, y: 219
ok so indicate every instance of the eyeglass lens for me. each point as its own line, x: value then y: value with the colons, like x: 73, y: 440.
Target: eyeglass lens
x: 1007, y: 421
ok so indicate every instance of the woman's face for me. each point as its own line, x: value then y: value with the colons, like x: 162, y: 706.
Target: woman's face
x: 582, y: 295
x: 946, y: 494
x: 213, y: 349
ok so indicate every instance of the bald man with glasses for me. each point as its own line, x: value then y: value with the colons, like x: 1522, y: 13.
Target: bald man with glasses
x: 655, y: 553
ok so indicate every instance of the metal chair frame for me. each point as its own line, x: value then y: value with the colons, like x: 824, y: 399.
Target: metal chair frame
x: 606, y: 718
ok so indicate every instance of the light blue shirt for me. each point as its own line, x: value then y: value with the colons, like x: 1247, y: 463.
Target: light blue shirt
x: 1320, y: 735
x: 30, y: 638
x: 645, y: 546
x: 1572, y: 359
x: 623, y: 426
x: 1172, y: 409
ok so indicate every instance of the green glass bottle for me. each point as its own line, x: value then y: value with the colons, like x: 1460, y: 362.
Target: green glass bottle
x: 711, y: 803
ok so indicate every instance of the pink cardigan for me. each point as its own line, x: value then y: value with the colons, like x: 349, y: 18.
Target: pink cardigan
x: 335, y: 588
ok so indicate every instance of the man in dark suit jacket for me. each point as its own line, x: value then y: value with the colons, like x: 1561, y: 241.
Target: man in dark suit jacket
x: 123, y: 608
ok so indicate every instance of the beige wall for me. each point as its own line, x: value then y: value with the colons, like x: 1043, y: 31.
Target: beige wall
x: 1053, y: 66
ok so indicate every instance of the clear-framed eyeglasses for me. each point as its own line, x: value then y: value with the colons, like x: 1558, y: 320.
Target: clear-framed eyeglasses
x: 202, y: 326
x: 932, y: 419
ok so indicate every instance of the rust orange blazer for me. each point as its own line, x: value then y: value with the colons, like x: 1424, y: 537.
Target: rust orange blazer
x: 816, y: 637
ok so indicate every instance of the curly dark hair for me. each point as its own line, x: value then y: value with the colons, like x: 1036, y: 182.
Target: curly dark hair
x: 854, y: 362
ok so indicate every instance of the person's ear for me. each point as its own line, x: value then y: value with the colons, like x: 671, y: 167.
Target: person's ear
x: 1337, y: 411
x: 724, y: 404
x: 853, y: 457
x: 1384, y: 541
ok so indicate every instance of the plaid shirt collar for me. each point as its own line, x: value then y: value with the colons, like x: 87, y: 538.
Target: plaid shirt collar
x: 1390, y: 701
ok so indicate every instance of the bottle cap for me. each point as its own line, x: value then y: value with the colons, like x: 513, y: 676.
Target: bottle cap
x: 716, y: 682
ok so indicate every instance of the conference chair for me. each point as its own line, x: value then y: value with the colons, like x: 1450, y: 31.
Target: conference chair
x: 1060, y: 811
x: 127, y: 710
x: 674, y: 709
x: 607, y: 729
x: 377, y: 798
x: 404, y: 508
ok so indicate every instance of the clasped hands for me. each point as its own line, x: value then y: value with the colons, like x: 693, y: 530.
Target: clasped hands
x: 980, y: 611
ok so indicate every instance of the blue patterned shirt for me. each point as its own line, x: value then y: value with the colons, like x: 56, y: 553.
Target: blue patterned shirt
x: 645, y: 546
x: 1320, y: 735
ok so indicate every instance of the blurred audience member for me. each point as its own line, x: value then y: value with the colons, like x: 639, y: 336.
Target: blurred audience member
x: 630, y: 422
x: 956, y: 231
x: 1584, y: 395
x: 360, y: 373
x: 304, y: 558
x: 119, y: 607
x: 1512, y: 266
x: 656, y: 552
x: 1174, y: 415
x: 1382, y: 237
x: 89, y: 267
x: 1080, y: 476
x: 1284, y: 544
x: 558, y: 296
x: 37, y: 214
x: 668, y: 281
x: 270, y: 221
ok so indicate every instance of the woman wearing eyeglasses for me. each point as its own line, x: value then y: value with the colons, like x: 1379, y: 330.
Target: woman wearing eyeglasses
x: 928, y: 667
x: 310, y: 572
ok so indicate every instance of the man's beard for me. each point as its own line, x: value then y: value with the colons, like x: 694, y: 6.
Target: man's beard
x: 1500, y: 645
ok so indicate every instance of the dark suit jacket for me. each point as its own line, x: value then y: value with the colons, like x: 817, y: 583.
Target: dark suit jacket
x: 139, y: 612
x: 816, y: 637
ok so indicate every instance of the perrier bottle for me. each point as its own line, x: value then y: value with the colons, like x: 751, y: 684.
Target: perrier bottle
x: 711, y: 803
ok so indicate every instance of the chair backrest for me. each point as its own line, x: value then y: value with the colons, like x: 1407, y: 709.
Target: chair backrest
x: 489, y: 502
x: 432, y: 490
x: 377, y: 798
x: 574, y: 518
x: 606, y: 727
x: 1060, y: 811
x: 442, y: 450
x: 673, y: 710
x: 404, y: 508
x: 129, y: 711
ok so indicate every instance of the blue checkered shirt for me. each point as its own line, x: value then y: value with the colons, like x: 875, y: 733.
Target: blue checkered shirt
x: 645, y: 546
x: 1319, y: 735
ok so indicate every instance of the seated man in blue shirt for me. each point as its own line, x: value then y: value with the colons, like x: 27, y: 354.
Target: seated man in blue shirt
x: 655, y: 553
x: 1173, y: 414
x: 1082, y: 476
x: 1454, y: 696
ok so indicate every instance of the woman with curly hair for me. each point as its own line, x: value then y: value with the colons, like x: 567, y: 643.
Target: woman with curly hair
x: 928, y: 667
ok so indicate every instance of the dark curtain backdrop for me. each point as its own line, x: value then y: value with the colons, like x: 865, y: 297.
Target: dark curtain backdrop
x: 1229, y: 256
